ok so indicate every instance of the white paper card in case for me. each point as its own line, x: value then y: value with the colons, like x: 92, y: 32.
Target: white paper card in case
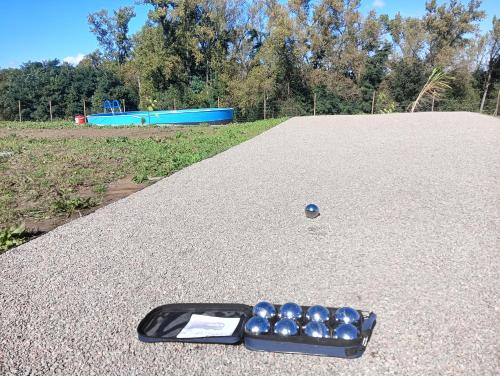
x: 200, y: 326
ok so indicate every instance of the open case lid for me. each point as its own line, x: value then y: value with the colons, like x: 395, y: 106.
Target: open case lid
x: 165, y: 323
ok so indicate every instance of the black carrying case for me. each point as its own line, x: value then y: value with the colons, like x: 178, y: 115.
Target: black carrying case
x: 164, y: 323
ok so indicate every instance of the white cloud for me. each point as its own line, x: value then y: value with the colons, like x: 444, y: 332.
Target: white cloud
x: 378, y: 4
x: 74, y: 60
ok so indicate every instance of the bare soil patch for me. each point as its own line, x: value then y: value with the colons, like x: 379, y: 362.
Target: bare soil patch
x: 115, y: 191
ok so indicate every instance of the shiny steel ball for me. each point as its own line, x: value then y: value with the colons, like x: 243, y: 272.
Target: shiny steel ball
x: 316, y: 329
x: 347, y: 315
x: 346, y: 331
x: 257, y: 325
x: 290, y: 311
x: 312, y: 211
x: 318, y: 313
x: 286, y: 327
x: 264, y: 309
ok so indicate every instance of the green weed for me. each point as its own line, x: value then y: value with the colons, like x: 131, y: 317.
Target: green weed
x: 11, y: 237
x: 68, y: 203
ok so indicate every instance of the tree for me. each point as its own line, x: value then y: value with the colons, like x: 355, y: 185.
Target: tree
x: 449, y: 28
x: 123, y: 43
x: 8, y: 107
x: 101, y: 25
x: 408, y: 35
x: 406, y: 78
x: 112, y: 32
x: 340, y: 45
x: 37, y: 83
x: 493, y: 56
x: 287, y: 54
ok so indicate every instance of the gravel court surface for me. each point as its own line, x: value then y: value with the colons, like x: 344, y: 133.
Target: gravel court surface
x: 409, y: 228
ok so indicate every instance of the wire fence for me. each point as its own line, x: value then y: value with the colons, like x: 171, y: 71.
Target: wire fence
x: 293, y: 106
x: 278, y: 109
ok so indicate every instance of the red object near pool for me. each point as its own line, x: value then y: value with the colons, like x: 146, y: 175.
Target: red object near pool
x: 79, y: 119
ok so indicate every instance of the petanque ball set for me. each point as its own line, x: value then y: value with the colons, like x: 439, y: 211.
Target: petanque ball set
x: 289, y: 328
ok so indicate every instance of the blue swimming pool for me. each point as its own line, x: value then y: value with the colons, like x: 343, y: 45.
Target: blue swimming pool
x: 176, y: 117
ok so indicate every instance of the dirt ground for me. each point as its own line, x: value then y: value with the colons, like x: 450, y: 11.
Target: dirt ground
x: 116, y: 191
x: 141, y: 132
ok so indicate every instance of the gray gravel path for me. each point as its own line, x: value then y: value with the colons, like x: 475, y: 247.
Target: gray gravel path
x: 409, y: 229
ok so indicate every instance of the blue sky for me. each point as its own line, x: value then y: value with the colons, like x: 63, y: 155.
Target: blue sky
x: 34, y: 30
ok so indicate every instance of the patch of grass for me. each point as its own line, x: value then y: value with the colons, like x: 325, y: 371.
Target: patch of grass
x: 11, y: 237
x: 58, y: 124
x: 99, y: 188
x: 65, y: 124
x: 68, y: 203
x: 48, y: 178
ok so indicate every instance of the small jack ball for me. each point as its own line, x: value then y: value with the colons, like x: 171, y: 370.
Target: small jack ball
x: 312, y: 211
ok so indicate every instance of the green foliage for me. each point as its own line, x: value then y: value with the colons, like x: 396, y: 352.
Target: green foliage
x: 163, y: 157
x: 437, y: 83
x: 376, y: 68
x: 462, y: 94
x: 491, y: 74
x: 66, y: 202
x: 406, y: 80
x: 112, y: 32
x: 236, y: 53
x: 35, y: 84
x: 449, y: 28
x: 151, y: 104
x: 11, y: 237
x: 39, y: 125
x: 383, y: 104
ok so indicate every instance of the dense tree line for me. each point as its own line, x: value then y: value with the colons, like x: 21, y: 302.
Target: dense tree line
x: 65, y: 87
x: 287, y: 55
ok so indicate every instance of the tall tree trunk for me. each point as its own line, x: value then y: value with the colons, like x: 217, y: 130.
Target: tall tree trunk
x: 486, y: 87
x: 206, y: 74
x: 139, y: 90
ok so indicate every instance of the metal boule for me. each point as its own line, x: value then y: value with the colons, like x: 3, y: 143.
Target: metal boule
x: 316, y: 329
x: 346, y: 331
x: 257, y: 325
x: 290, y: 311
x: 318, y: 313
x: 347, y: 315
x: 286, y: 327
x: 264, y: 309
